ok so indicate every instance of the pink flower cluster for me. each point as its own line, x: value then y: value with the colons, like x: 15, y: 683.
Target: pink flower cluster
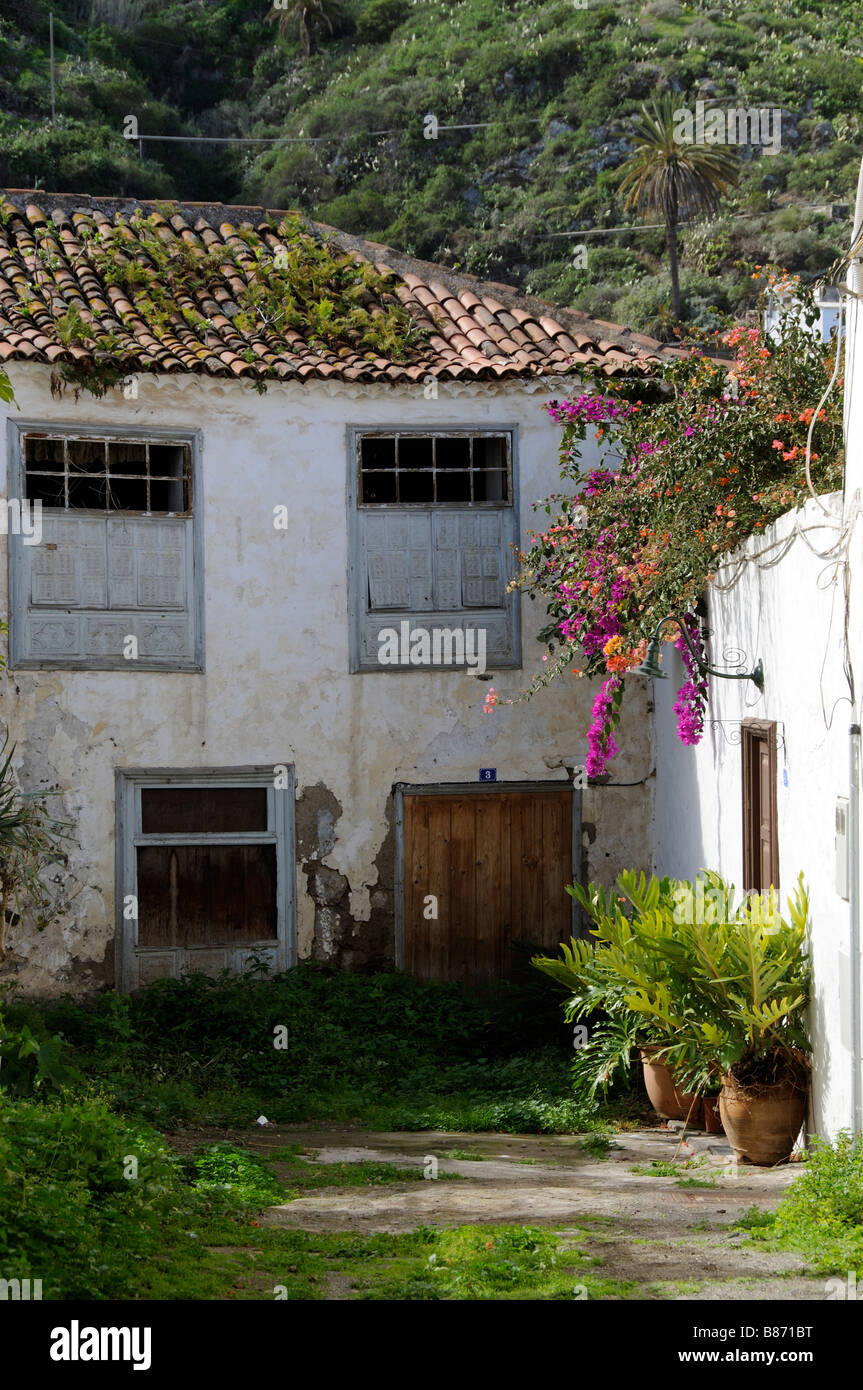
x: 692, y: 695
x: 587, y: 410
x: 601, y: 746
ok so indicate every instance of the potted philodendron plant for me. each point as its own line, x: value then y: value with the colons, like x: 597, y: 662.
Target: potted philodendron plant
x: 600, y: 979
x: 719, y: 989
x: 741, y: 1024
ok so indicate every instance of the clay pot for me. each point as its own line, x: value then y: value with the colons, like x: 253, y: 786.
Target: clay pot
x: 662, y: 1093
x: 712, y: 1118
x: 762, y: 1122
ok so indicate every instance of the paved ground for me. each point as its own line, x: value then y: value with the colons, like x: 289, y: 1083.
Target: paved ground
x: 672, y: 1240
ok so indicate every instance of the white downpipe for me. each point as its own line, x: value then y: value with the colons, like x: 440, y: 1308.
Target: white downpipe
x: 853, y: 345
x: 854, y: 916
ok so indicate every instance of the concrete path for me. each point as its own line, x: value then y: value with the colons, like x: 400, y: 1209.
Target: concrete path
x: 672, y: 1241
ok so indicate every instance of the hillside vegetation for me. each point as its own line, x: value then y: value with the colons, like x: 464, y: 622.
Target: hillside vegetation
x: 549, y: 85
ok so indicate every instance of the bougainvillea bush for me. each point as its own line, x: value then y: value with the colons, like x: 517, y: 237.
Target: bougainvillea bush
x: 712, y: 452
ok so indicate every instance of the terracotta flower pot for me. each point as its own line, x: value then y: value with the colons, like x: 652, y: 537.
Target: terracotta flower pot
x: 663, y: 1095
x: 762, y: 1122
x: 712, y: 1118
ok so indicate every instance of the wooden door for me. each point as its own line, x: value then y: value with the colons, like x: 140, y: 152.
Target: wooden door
x: 482, y: 871
x: 760, y: 819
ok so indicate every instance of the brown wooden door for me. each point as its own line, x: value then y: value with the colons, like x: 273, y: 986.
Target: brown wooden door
x: 493, y: 866
x: 760, y: 819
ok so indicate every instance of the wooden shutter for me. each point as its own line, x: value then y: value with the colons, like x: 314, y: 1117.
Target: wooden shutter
x: 481, y: 546
x: 68, y: 569
x: 444, y: 567
x: 94, y: 581
x: 147, y: 563
x: 447, y: 560
x: 399, y: 561
x: 760, y: 816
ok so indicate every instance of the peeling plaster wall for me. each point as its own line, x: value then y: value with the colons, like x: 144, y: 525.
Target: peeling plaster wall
x: 277, y: 688
x: 790, y: 616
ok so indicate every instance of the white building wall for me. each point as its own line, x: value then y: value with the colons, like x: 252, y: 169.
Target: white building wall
x: 276, y: 687
x: 791, y: 616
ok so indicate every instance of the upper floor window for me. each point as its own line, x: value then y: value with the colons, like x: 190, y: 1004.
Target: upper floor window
x: 114, y: 581
x: 433, y: 522
x: 108, y: 475
x: 435, y: 469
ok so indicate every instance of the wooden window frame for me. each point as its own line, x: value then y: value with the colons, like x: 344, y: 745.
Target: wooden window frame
x: 106, y: 474
x: 434, y: 435
x: 754, y: 732
x: 504, y: 621
x: 403, y: 789
x: 20, y: 611
x: 280, y: 832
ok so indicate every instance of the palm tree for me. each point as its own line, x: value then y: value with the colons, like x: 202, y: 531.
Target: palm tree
x: 304, y: 16
x: 665, y: 178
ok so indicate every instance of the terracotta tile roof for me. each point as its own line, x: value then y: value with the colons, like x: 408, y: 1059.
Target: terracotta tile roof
x: 474, y: 330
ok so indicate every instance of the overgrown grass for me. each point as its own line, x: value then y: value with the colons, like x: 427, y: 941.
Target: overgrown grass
x: 821, y: 1213
x: 301, y: 1175
x: 385, y: 1050
x: 473, y: 1263
x: 96, y: 1204
x: 87, y: 1197
x: 99, y: 1208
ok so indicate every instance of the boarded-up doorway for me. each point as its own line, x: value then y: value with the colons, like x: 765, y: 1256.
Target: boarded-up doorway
x: 493, y: 865
x: 205, y: 871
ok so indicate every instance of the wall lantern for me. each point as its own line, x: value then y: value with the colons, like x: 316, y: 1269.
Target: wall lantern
x: 650, y: 666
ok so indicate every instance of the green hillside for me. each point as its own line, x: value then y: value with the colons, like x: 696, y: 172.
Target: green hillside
x: 549, y: 85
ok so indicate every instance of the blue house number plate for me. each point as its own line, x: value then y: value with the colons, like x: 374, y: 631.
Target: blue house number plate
x: 488, y: 774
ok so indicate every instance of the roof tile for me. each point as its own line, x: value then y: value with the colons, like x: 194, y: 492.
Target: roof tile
x: 471, y: 332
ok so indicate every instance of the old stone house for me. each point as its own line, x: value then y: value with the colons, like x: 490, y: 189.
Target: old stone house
x: 252, y: 644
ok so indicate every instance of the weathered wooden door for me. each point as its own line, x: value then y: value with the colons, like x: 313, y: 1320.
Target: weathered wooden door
x: 482, y: 870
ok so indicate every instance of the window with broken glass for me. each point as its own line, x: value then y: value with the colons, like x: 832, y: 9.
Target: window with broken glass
x: 433, y: 520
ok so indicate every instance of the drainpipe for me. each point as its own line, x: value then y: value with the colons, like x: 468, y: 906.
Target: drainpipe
x: 852, y: 347
x: 854, y: 915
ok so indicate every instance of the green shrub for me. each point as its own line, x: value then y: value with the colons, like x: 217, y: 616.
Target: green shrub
x: 822, y: 1211
x: 202, y: 1050
x: 234, y: 1173
x: 70, y: 1214
x: 380, y: 18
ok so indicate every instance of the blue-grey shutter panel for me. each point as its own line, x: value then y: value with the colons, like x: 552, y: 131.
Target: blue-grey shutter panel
x: 95, y: 581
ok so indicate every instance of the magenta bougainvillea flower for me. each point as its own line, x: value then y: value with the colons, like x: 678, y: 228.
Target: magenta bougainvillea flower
x: 714, y: 452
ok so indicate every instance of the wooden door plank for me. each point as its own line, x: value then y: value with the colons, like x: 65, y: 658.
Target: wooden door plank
x: 416, y: 853
x: 492, y: 884
x: 556, y: 924
x: 497, y: 862
x: 439, y: 932
x: 527, y: 852
x: 462, y: 889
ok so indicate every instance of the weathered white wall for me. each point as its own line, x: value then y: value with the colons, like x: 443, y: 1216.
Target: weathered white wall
x: 790, y: 615
x: 276, y: 687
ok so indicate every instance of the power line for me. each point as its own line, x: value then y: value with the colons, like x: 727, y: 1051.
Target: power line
x: 653, y: 226
x: 304, y: 139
